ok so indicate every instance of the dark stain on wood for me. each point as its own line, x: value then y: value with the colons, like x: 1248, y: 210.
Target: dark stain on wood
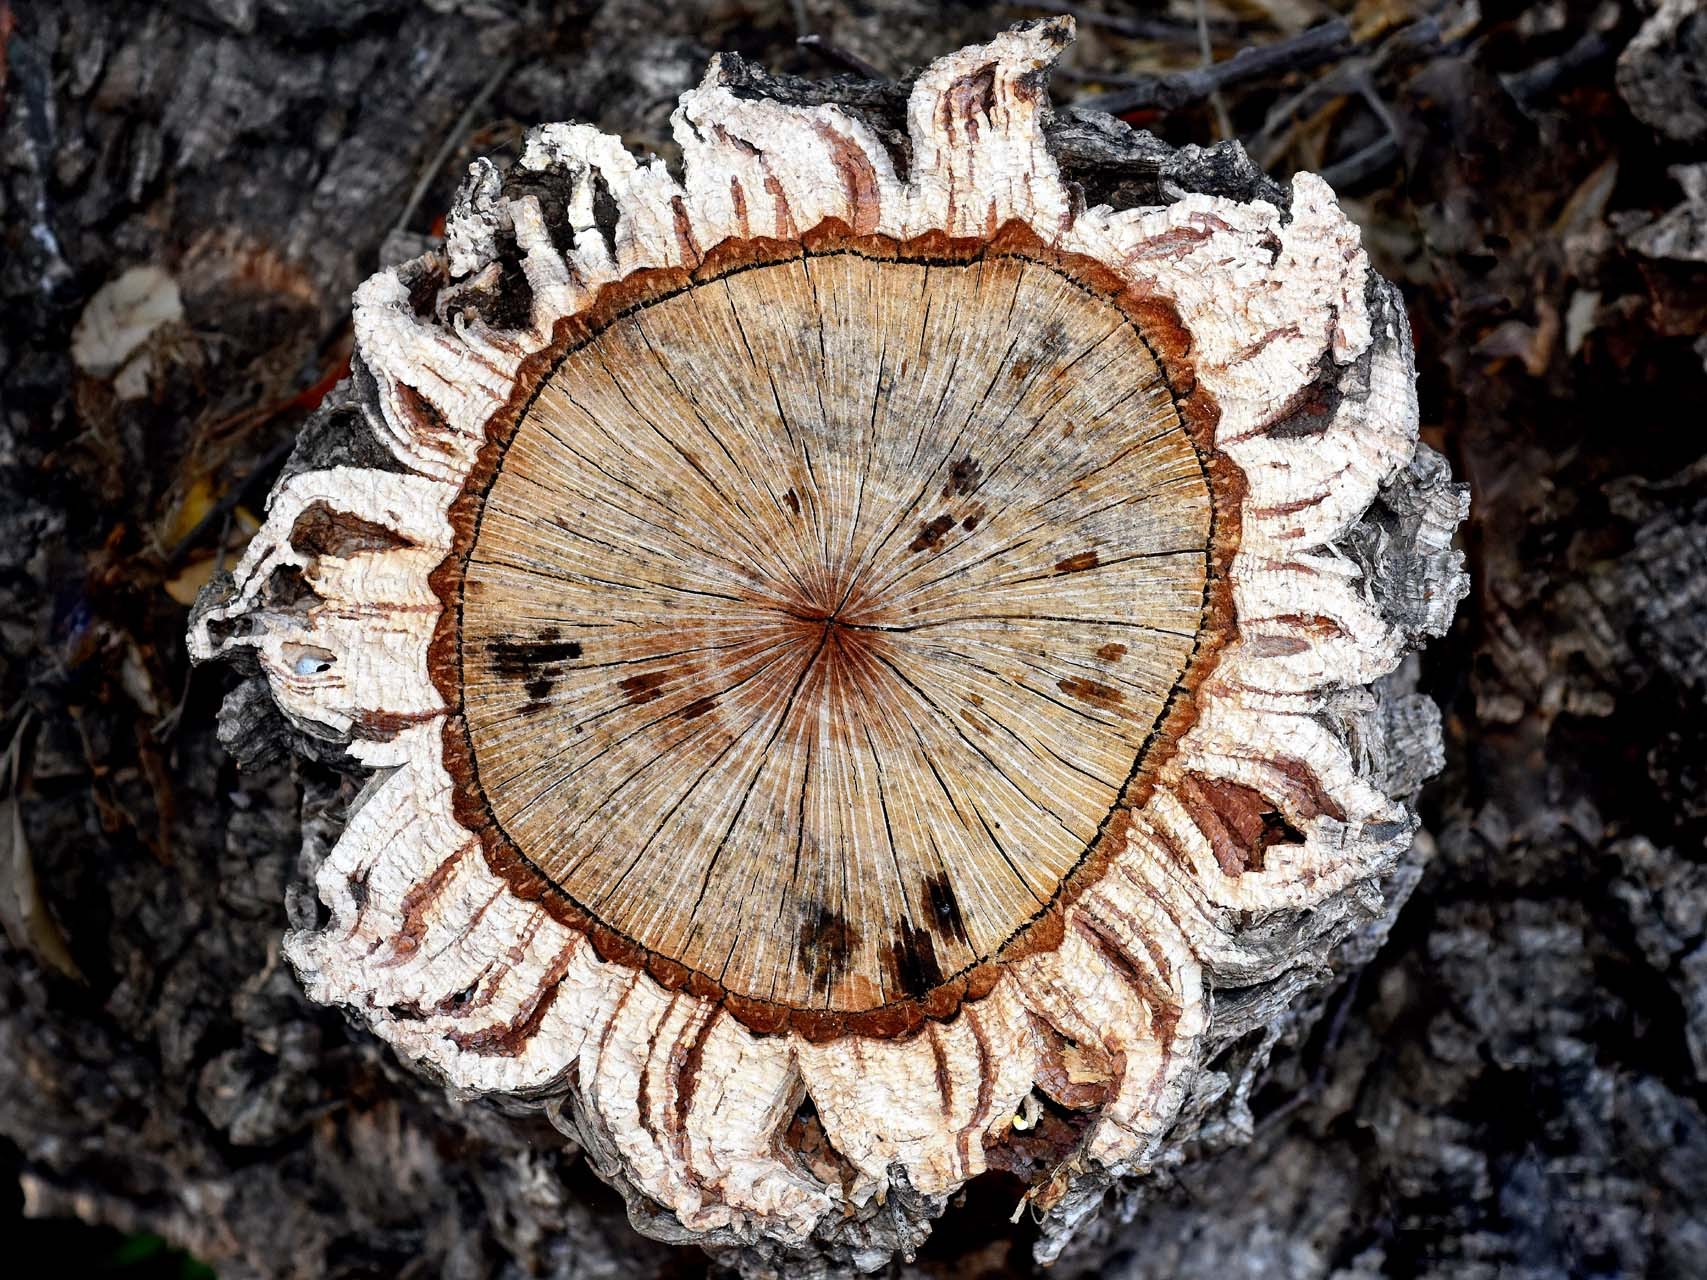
x: 930, y: 534
x: 1312, y: 409
x: 322, y: 530
x: 418, y: 410
x: 858, y: 175
x: 827, y: 945
x: 945, y: 907
x: 913, y: 965
x: 536, y: 663
x: 970, y: 98
x: 458, y: 1000
x: 697, y: 708
x: 288, y: 590
x: 1308, y: 798
x: 1032, y: 1154
x: 1075, y: 563
x: 1275, y: 646
x: 1177, y: 241
x: 419, y: 901
x: 643, y: 688
x: 1277, y: 830
x: 1240, y: 823
x: 1091, y: 691
x: 507, y: 1039
x: 1112, y: 652
x: 687, y: 1077
x: 963, y: 477
x: 1315, y: 624
x: 1050, y: 346
x: 793, y: 500
x: 373, y: 725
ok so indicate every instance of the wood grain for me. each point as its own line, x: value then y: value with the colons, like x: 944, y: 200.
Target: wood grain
x: 819, y: 615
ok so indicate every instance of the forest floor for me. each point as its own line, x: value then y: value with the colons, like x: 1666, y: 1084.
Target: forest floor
x: 1514, y: 1087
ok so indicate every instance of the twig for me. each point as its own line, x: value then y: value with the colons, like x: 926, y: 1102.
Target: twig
x: 227, y: 503
x: 452, y: 141
x: 1318, y: 1082
x: 1178, y: 88
x: 843, y: 57
x: 1138, y: 28
x: 1336, y: 1030
x: 7, y: 26
x: 1530, y: 85
x: 308, y: 399
x: 1366, y: 162
x: 1356, y: 75
x: 12, y: 760
x: 166, y: 727
x: 1223, y: 121
x: 1363, y: 164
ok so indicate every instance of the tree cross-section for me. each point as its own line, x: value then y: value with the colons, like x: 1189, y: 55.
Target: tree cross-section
x: 856, y: 643
x: 813, y: 619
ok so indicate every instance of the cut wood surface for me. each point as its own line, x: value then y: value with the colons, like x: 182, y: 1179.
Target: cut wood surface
x: 816, y: 617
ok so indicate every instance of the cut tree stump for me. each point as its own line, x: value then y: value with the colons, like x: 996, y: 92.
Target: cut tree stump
x: 863, y: 654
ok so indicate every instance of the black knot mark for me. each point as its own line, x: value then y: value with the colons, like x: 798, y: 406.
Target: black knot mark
x: 1078, y: 563
x: 1091, y: 691
x: 638, y: 689
x: 536, y: 663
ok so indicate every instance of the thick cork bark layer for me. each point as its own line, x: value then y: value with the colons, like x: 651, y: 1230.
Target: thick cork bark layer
x: 854, y: 645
